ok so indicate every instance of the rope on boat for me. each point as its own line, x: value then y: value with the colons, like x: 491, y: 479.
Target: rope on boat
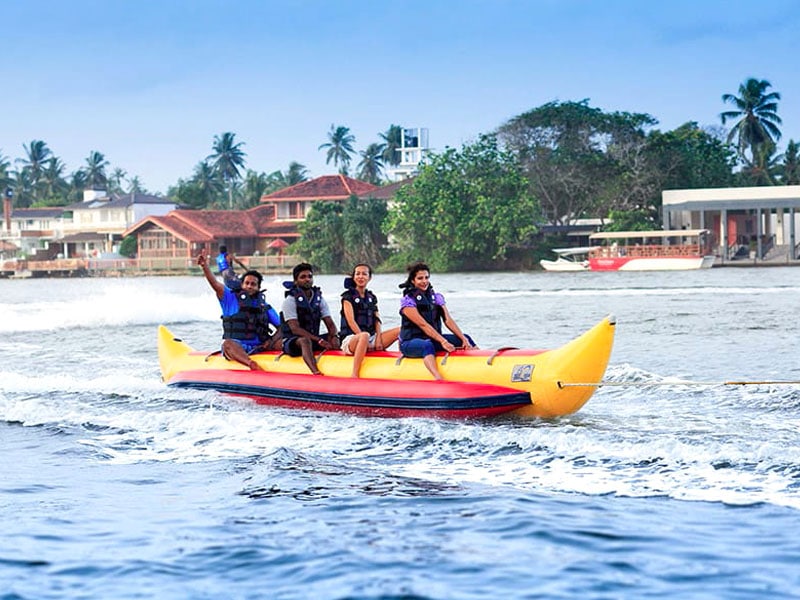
x: 562, y: 384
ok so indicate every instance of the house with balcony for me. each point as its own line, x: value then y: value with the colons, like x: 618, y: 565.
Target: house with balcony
x: 182, y: 234
x: 32, y: 233
x: 99, y: 222
x: 293, y: 203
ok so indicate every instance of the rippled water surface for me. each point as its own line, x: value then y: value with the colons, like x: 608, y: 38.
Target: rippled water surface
x: 669, y: 483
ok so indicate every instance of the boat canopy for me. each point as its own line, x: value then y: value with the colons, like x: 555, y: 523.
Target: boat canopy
x: 666, y: 233
x: 573, y: 251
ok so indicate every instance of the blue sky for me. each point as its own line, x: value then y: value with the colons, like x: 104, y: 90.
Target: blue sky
x: 150, y: 83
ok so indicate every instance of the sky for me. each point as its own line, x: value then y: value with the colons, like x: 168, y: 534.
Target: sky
x: 150, y: 83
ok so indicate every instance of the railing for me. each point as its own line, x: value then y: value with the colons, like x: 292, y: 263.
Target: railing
x: 647, y: 251
x: 69, y: 267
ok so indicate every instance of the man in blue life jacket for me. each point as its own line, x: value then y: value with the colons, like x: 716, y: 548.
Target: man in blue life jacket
x: 302, y: 311
x: 249, y: 323
x: 225, y: 268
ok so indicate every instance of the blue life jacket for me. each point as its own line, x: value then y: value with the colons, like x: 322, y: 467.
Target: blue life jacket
x: 364, y: 310
x: 251, y: 321
x: 429, y: 310
x: 309, y: 311
x: 229, y: 277
x: 222, y: 263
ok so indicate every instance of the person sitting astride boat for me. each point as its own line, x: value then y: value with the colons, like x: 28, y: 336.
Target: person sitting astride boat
x: 301, y: 313
x: 249, y: 323
x: 422, y: 311
x: 225, y: 262
x: 360, y: 328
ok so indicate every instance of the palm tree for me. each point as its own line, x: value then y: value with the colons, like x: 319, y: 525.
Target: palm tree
x: 208, y: 183
x: 76, y: 185
x: 6, y: 178
x: 393, y: 139
x: 758, y: 120
x: 227, y: 159
x: 115, y: 181
x: 370, y: 169
x: 54, y: 186
x: 296, y: 173
x: 791, y: 164
x: 340, y: 147
x: 95, y: 170
x: 33, y: 165
x: 135, y: 186
x: 254, y: 186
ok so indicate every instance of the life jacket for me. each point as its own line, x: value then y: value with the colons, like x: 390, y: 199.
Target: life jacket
x: 429, y: 310
x: 309, y: 312
x: 222, y: 263
x: 251, y: 321
x: 364, y: 310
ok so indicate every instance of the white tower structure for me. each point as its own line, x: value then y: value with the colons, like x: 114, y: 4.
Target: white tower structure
x: 413, y: 147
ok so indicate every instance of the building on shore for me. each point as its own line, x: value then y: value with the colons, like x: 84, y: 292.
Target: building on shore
x: 759, y: 223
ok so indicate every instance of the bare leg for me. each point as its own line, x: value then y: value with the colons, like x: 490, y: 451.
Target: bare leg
x: 233, y: 351
x: 430, y: 363
x: 358, y: 346
x: 308, y: 354
x: 389, y: 336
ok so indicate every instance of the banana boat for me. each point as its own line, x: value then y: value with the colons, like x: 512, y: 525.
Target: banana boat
x: 477, y: 383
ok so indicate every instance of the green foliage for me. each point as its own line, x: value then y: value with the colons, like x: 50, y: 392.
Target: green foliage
x: 128, y: 246
x: 370, y: 169
x: 339, y: 147
x: 579, y: 160
x: 758, y: 120
x: 631, y: 220
x: 392, y: 139
x: 790, y: 170
x: 362, y: 229
x: 465, y: 210
x: 322, y: 241
x: 336, y: 235
x: 689, y: 157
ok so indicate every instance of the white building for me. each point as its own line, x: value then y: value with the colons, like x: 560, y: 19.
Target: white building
x: 414, y: 145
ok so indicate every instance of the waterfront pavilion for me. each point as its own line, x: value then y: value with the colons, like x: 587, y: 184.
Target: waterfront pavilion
x: 745, y: 222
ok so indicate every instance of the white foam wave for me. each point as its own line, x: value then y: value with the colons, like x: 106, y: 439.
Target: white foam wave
x: 117, y: 305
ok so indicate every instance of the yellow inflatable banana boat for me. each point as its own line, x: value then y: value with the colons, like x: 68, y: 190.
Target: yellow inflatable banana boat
x: 478, y: 383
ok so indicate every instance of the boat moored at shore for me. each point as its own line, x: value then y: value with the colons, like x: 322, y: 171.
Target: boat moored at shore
x: 668, y: 250
x: 568, y: 259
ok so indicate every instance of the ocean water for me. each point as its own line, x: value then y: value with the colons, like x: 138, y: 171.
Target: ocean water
x: 670, y: 484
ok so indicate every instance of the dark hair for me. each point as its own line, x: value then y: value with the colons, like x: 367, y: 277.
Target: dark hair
x: 369, y: 269
x: 300, y: 268
x: 413, y: 269
x: 254, y: 273
x: 223, y: 249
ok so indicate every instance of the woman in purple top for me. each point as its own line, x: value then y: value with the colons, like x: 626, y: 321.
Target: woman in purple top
x: 422, y: 312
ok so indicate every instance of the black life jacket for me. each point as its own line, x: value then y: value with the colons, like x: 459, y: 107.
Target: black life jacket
x: 251, y: 321
x: 309, y: 312
x: 429, y: 310
x: 364, y: 310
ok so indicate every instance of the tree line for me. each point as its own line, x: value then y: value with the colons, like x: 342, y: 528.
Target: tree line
x: 220, y: 180
x: 479, y: 206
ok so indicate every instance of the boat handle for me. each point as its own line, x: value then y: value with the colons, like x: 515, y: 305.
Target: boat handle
x: 497, y: 352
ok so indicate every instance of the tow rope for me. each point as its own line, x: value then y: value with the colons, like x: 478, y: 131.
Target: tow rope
x: 562, y: 384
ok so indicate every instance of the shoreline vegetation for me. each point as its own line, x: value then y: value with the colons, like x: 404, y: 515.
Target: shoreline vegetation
x: 501, y: 201
x: 133, y: 267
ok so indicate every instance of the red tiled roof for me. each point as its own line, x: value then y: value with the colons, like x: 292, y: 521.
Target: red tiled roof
x: 387, y: 192
x: 202, y: 226
x: 327, y: 187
